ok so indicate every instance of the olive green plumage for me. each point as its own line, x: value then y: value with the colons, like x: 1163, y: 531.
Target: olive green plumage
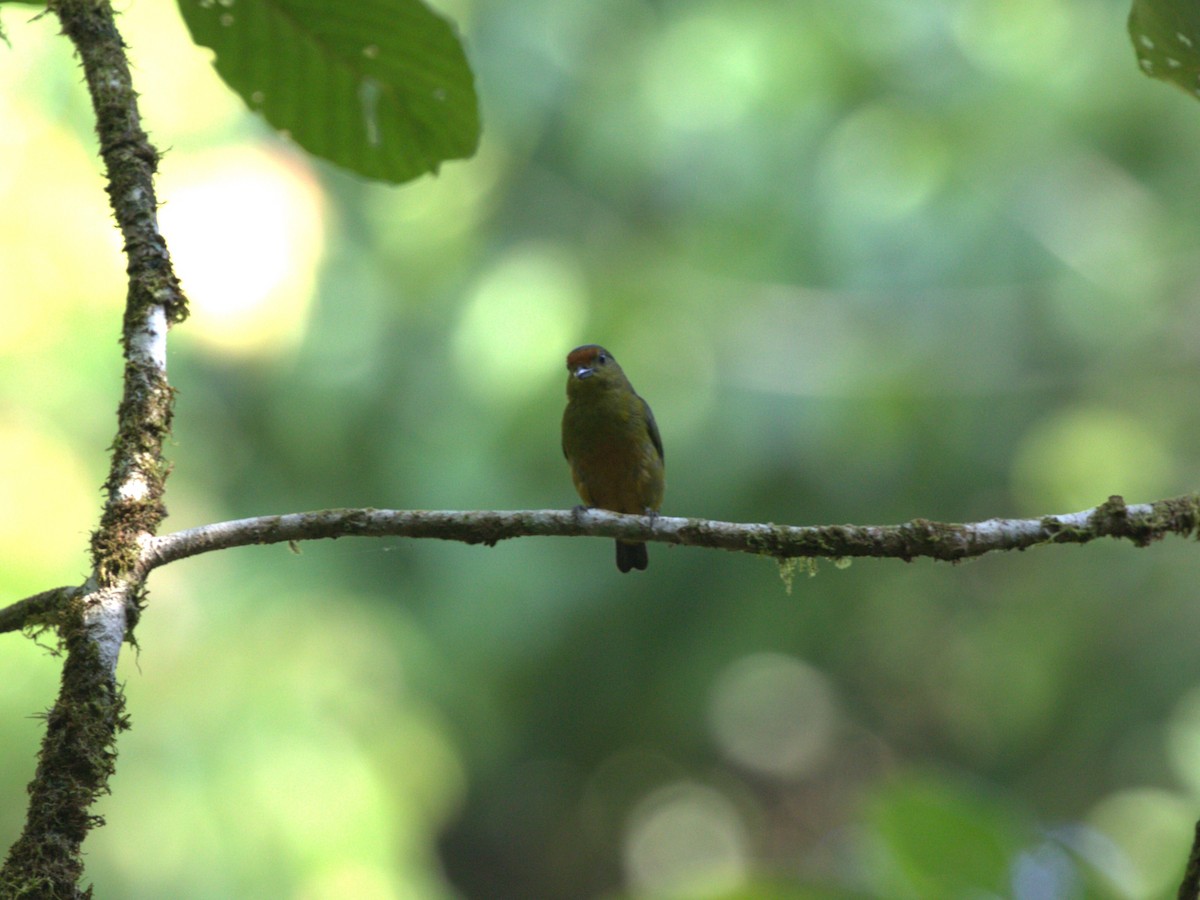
x: 612, y: 444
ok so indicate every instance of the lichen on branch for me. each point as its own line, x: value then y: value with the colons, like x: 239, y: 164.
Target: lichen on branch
x: 1142, y: 524
x: 78, y: 753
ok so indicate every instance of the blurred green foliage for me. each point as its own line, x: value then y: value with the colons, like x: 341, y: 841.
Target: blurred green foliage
x: 868, y: 261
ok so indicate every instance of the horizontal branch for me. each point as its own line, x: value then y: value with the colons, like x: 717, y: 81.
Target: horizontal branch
x: 1142, y: 524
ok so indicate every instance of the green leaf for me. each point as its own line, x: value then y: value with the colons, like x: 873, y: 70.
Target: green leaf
x: 942, y: 840
x: 380, y: 87
x: 1166, y: 38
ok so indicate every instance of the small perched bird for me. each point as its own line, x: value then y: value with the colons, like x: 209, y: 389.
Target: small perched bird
x: 611, y: 442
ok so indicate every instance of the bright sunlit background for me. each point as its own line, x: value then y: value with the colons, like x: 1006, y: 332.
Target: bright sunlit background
x: 868, y: 261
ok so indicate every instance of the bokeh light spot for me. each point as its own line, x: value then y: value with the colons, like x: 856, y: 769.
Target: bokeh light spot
x: 1153, y: 828
x: 882, y: 163
x: 1105, y: 226
x: 358, y: 880
x: 1080, y: 457
x: 1015, y: 37
x: 1183, y: 740
x: 773, y: 714
x: 42, y: 291
x: 707, y: 73
x: 685, y: 840
x: 246, y: 234
x: 521, y: 313
x: 48, y: 502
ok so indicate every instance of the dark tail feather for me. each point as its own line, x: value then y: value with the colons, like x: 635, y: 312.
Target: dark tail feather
x: 631, y: 556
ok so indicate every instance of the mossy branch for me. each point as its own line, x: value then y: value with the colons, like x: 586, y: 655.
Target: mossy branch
x: 1141, y: 524
x: 78, y: 754
x: 41, y: 609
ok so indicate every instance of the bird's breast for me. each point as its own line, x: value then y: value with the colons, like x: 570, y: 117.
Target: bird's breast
x: 614, y: 464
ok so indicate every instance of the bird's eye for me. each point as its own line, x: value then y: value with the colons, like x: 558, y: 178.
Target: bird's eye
x: 602, y: 358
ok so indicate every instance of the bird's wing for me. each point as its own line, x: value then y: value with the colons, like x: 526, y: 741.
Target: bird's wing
x: 652, y: 427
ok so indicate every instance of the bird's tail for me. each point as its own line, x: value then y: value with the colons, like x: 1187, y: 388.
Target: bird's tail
x: 631, y: 556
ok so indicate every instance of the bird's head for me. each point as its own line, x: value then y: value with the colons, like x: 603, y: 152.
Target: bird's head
x: 591, y: 367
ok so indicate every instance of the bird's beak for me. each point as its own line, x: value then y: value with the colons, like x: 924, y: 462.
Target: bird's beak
x: 584, y: 372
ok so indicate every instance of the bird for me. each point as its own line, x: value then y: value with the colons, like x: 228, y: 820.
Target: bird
x: 612, y: 444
